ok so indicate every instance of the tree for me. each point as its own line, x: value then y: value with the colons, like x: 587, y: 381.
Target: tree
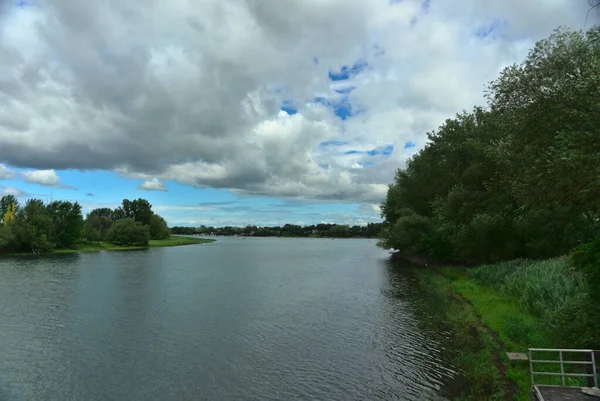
x: 128, y: 232
x: 100, y: 221
x: 158, y: 228
x: 67, y: 223
x: 7, y: 238
x: 140, y: 210
x: 519, y: 179
x: 32, y: 227
x: 9, y: 215
x: 6, y: 202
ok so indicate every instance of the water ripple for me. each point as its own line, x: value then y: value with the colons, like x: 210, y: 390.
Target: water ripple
x: 261, y: 319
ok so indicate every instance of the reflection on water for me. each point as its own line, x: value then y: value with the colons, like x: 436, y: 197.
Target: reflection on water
x: 255, y: 319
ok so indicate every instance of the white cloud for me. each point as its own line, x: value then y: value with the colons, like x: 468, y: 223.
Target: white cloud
x: 152, y: 184
x: 6, y: 173
x: 12, y: 191
x: 47, y: 178
x: 168, y: 90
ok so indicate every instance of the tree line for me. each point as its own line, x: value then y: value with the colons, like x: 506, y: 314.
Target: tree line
x: 519, y: 178
x: 37, y: 227
x: 371, y: 230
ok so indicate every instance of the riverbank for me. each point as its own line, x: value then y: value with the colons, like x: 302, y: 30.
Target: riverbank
x: 107, y: 246
x: 506, y: 307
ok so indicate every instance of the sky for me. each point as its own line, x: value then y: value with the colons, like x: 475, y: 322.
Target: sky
x: 233, y: 112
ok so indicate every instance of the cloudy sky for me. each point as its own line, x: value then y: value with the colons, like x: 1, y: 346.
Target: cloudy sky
x: 244, y: 111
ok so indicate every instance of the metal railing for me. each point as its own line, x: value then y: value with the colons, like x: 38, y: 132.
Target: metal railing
x: 562, y: 363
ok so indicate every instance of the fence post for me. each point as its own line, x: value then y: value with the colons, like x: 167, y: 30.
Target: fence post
x: 531, y: 367
x: 562, y: 368
x: 594, y: 381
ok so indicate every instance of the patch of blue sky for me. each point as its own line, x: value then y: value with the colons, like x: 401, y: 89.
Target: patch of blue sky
x: 289, y: 107
x: 344, y: 90
x: 409, y: 145
x: 341, y: 106
x: 384, y: 151
x: 491, y: 30
x: 333, y: 142
x: 347, y: 72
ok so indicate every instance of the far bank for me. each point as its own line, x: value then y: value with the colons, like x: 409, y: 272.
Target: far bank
x: 107, y: 246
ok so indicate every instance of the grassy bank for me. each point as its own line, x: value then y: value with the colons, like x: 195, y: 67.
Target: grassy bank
x: 475, y: 354
x: 107, y: 246
x: 510, y: 307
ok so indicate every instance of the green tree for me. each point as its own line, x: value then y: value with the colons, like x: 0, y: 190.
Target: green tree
x: 32, y: 227
x: 139, y: 209
x: 6, y: 202
x: 7, y: 239
x: 100, y: 221
x: 519, y: 179
x: 158, y: 228
x: 67, y: 223
x: 128, y: 232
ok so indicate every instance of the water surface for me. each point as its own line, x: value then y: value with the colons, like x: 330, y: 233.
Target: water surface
x: 252, y: 319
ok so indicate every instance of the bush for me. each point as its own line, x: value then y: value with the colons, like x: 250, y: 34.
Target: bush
x: 128, y: 232
x: 553, y: 290
x: 586, y: 259
x: 409, y: 233
x: 158, y: 227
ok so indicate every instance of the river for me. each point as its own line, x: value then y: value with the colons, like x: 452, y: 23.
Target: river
x: 248, y: 319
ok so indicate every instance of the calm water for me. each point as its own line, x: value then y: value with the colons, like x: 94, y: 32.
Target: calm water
x: 253, y: 319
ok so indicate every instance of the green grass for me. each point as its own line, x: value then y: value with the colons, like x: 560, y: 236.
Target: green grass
x: 512, y: 299
x: 479, y: 378
x: 107, y: 246
x: 517, y: 329
x: 540, y: 287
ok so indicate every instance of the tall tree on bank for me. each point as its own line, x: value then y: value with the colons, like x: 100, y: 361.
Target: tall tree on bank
x: 67, y: 223
x: 518, y: 179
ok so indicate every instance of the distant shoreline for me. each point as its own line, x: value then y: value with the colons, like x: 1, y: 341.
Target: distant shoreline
x: 270, y: 236
x: 174, y: 240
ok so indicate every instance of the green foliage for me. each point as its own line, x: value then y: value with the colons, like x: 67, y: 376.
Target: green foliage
x: 409, y: 234
x: 99, y: 221
x: 518, y: 179
x: 371, y: 230
x: 552, y: 290
x: 67, y: 223
x: 7, y: 238
x: 158, y: 228
x: 32, y: 227
x: 128, y: 232
x: 8, y: 202
x: 139, y: 209
x: 586, y: 259
x: 91, y: 234
x: 60, y: 225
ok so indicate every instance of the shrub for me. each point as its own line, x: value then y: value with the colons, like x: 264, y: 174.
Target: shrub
x: 158, y: 227
x: 128, y: 232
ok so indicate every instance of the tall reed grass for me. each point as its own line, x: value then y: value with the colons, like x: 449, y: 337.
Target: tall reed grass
x: 541, y: 287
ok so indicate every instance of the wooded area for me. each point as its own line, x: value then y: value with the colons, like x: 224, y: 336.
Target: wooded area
x: 37, y: 227
x: 371, y: 230
x: 519, y: 178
